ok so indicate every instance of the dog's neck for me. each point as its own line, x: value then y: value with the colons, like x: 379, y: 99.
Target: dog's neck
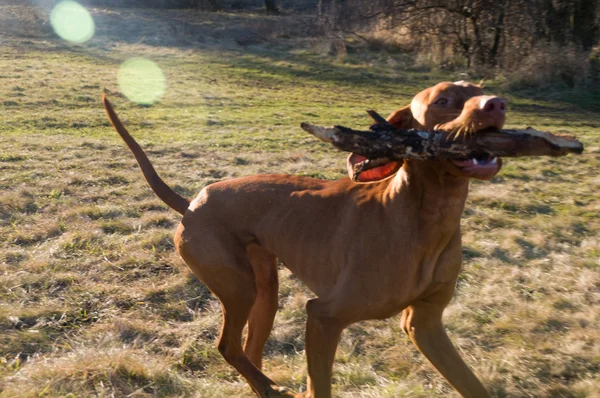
x: 428, y: 187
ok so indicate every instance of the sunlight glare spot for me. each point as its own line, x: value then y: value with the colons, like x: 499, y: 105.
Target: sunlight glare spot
x: 72, y: 22
x: 142, y: 81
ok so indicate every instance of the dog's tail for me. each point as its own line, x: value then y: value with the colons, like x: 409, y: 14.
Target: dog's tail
x: 162, y: 190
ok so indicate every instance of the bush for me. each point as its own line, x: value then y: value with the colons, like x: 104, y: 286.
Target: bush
x: 552, y: 66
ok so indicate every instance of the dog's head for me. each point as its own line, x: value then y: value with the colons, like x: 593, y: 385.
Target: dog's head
x: 459, y: 107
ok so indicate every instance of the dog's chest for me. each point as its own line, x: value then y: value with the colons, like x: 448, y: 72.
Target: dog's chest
x: 387, y: 259
x: 438, y: 239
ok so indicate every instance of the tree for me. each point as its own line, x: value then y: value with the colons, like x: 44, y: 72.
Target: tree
x: 271, y: 7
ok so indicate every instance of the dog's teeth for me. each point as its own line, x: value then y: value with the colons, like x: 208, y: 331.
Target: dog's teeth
x: 494, y: 160
x: 475, y: 161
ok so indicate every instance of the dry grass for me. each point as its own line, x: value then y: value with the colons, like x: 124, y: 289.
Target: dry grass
x: 93, y: 300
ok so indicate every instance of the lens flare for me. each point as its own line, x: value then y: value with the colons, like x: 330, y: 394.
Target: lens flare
x: 142, y: 81
x: 72, y: 22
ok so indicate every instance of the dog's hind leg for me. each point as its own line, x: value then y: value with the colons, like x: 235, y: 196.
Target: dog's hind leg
x: 262, y: 315
x: 222, y: 265
x: 236, y: 309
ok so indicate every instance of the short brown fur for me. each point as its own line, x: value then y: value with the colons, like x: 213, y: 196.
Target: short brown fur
x: 367, y: 250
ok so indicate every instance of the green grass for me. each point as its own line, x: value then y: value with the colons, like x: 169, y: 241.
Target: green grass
x: 94, y: 301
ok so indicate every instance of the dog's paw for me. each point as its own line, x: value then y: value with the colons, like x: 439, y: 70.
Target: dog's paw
x: 282, y: 392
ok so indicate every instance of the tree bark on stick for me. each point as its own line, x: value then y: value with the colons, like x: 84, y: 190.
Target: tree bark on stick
x: 383, y: 142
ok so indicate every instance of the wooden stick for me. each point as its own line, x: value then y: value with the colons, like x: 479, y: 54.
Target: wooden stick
x: 384, y: 141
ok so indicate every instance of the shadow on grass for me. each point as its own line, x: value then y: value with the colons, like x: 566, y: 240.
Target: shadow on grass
x: 257, y: 47
x: 574, y: 105
x: 265, y: 51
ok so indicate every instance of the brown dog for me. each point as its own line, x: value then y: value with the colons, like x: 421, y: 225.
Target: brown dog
x: 367, y: 250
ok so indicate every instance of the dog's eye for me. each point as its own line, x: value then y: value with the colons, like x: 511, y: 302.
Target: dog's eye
x: 441, y: 101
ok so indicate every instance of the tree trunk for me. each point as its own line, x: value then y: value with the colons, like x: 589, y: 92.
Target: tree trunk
x: 498, y: 32
x: 214, y: 5
x: 271, y: 7
x: 558, y: 21
x: 585, y: 26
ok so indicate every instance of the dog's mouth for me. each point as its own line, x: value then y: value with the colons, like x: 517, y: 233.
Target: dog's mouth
x: 482, y: 167
x: 378, y: 173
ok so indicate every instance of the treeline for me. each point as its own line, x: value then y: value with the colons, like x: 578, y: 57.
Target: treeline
x: 269, y: 6
x: 531, y: 40
x: 484, y: 32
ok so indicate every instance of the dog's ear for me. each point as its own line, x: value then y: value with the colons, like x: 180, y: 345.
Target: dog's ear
x: 402, y: 118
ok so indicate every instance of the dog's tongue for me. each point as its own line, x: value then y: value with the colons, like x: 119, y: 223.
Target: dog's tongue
x: 374, y: 174
x: 462, y: 163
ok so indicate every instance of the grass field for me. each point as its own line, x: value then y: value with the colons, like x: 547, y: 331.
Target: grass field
x: 95, y: 302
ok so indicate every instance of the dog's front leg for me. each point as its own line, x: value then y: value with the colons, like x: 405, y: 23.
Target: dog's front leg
x: 323, y: 331
x: 422, y: 321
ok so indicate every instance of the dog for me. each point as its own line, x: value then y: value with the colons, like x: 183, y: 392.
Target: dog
x: 386, y: 244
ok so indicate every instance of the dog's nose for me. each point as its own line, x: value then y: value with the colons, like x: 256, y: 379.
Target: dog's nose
x: 495, y: 108
x: 493, y: 104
